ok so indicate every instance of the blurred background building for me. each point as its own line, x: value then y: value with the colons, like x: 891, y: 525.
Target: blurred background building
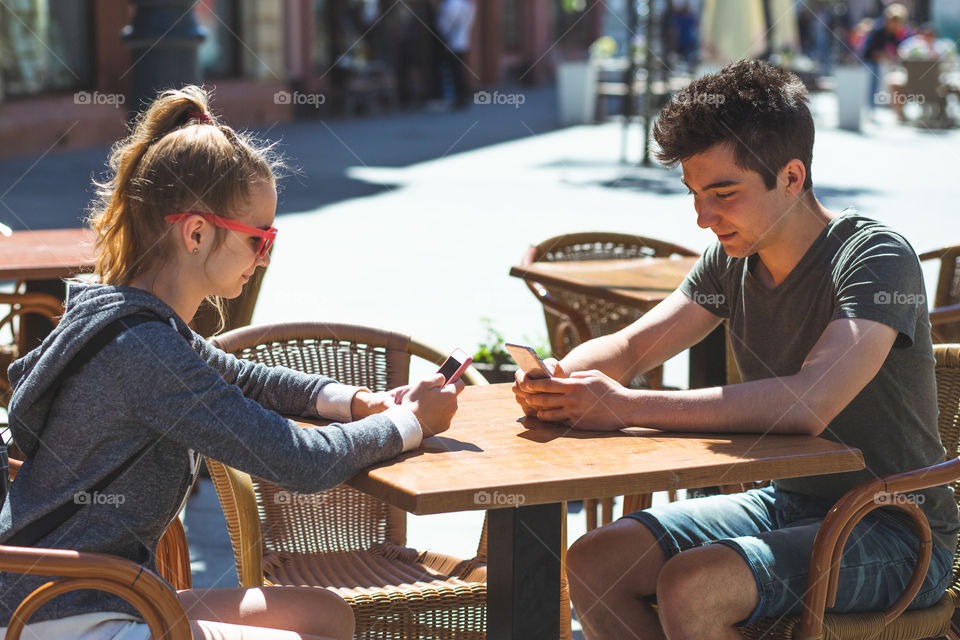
x: 63, y: 63
x: 66, y: 68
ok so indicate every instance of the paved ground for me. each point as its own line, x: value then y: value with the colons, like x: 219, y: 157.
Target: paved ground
x: 412, y: 221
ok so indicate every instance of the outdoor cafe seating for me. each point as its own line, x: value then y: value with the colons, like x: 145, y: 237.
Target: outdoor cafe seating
x: 343, y: 539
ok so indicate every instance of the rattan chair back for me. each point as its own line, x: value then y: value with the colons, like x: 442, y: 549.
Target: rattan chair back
x: 573, y: 318
x: 947, y: 292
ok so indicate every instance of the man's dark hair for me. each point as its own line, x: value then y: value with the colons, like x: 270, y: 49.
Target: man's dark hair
x: 758, y: 109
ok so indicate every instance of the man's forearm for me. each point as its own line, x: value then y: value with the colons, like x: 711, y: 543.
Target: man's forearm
x: 609, y: 354
x: 775, y: 405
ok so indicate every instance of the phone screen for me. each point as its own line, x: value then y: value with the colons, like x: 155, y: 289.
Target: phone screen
x: 449, y: 367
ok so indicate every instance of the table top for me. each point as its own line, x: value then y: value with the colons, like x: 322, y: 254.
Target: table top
x: 635, y: 282
x: 46, y: 254
x: 487, y: 459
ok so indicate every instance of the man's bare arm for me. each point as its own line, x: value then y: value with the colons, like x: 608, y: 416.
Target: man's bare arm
x: 677, y: 323
x: 847, y: 356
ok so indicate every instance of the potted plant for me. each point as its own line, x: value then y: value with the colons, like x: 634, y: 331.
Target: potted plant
x: 493, y: 361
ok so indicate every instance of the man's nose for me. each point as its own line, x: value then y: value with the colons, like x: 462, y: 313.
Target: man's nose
x: 705, y: 217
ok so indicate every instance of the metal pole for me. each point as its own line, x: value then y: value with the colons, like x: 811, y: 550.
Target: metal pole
x: 630, y: 76
x: 164, y: 38
x: 648, y: 101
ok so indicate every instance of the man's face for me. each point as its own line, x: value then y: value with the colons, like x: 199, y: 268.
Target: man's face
x: 734, y: 202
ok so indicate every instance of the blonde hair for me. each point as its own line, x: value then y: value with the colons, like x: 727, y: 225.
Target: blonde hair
x: 177, y: 157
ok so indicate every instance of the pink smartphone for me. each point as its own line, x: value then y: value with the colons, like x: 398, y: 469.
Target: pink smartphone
x: 528, y: 360
x: 455, y: 364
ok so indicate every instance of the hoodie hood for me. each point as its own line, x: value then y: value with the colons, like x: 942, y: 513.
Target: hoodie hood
x: 89, y: 308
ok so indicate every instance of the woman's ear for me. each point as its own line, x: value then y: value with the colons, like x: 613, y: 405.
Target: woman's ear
x: 193, y: 234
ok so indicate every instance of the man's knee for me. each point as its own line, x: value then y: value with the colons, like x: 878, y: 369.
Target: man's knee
x: 615, y: 556
x: 709, y: 585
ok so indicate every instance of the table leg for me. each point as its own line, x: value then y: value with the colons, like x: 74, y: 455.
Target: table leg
x: 708, y: 360
x: 523, y: 572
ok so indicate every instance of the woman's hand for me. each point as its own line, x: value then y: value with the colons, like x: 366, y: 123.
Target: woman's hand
x: 367, y: 403
x: 589, y: 400
x: 553, y: 366
x: 433, y: 403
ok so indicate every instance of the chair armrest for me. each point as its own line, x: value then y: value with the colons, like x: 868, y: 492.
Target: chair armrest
x: 838, y: 525
x: 945, y: 315
x: 933, y: 253
x: 239, y: 503
x: 152, y: 598
x: 173, y: 557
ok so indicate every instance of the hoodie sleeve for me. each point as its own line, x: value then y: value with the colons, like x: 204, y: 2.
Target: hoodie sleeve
x: 284, y: 390
x: 172, y: 390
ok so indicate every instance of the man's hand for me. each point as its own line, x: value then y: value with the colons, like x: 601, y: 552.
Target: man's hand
x: 589, y: 400
x: 433, y: 403
x: 553, y: 366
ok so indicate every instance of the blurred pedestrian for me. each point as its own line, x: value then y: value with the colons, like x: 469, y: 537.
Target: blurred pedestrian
x: 455, y: 25
x: 880, y: 47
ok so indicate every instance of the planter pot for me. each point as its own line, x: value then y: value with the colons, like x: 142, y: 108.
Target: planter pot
x: 576, y: 92
x: 853, y: 84
x: 496, y: 373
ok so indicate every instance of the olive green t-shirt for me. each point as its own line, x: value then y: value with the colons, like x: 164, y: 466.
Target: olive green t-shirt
x: 856, y: 268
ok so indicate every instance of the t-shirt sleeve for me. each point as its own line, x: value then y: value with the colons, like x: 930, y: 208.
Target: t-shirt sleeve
x: 704, y: 283
x: 881, y: 280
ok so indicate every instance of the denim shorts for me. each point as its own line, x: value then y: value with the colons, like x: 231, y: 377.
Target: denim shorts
x: 774, y: 532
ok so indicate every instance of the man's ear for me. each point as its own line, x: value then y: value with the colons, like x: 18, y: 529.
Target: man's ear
x: 793, y: 175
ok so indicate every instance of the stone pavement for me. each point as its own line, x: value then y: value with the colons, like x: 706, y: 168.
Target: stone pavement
x: 411, y: 221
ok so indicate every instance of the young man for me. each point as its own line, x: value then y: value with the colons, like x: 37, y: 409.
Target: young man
x: 829, y: 328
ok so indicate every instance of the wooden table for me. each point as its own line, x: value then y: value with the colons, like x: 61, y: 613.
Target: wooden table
x: 489, y: 460
x: 637, y: 282
x: 42, y: 258
x: 45, y: 255
x: 640, y: 283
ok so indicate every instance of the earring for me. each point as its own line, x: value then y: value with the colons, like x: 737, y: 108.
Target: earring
x: 196, y: 250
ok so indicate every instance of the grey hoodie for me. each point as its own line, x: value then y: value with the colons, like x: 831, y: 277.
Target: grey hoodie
x: 163, y: 385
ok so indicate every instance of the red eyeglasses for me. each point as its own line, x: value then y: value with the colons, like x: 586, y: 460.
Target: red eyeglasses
x: 266, y: 235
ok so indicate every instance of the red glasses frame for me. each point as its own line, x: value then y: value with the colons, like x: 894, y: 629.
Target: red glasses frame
x: 266, y: 236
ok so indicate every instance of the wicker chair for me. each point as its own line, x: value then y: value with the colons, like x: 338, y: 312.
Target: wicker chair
x: 20, y: 305
x: 945, y: 313
x: 343, y: 539
x: 894, y: 623
x: 72, y: 570
x: 573, y: 318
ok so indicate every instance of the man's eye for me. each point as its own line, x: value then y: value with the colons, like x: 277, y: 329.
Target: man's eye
x: 724, y: 196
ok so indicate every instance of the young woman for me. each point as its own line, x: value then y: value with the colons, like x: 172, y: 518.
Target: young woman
x: 187, y: 214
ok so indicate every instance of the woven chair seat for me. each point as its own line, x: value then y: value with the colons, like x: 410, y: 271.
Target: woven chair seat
x: 384, y: 567
x: 389, y: 586
x: 932, y: 622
